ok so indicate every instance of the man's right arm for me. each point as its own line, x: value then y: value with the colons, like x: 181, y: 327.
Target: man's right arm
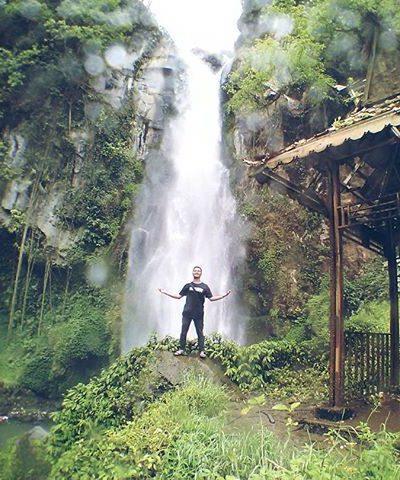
x: 172, y: 295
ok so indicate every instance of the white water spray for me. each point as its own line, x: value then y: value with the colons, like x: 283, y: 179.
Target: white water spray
x: 186, y: 213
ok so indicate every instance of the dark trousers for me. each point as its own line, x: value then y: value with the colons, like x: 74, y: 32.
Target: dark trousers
x: 198, y: 323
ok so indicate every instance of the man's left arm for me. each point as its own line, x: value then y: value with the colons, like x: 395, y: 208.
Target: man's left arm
x: 214, y: 298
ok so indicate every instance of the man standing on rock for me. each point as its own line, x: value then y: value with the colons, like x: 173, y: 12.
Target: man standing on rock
x: 195, y: 292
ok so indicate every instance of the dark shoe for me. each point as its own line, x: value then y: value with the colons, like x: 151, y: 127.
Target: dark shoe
x: 203, y: 354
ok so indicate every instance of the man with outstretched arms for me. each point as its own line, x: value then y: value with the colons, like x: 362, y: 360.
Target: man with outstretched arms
x: 195, y: 292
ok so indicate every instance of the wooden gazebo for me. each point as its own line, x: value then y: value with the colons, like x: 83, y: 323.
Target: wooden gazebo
x: 353, y: 178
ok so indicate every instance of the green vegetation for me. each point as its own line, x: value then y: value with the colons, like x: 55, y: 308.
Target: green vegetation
x: 285, y: 257
x: 11, y: 355
x: 44, y: 45
x: 176, y: 437
x: 286, y: 284
x: 306, y: 48
x: 77, y: 338
x: 67, y: 142
x: 63, y: 328
x: 110, y: 180
x: 95, y: 406
x: 114, y: 427
x: 24, y: 459
x: 372, y: 317
x: 126, y: 423
x: 280, y: 90
x: 78, y: 143
x: 365, y: 306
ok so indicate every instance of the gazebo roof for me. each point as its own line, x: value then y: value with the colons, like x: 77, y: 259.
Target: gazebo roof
x: 358, y: 124
x: 366, y: 146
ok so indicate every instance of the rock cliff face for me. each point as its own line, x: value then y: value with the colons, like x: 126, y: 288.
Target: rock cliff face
x: 286, y: 114
x: 287, y: 246
x: 143, y: 92
x: 76, y: 131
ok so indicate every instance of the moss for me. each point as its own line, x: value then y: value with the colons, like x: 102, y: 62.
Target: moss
x: 285, y: 258
x: 37, y: 373
x: 11, y: 357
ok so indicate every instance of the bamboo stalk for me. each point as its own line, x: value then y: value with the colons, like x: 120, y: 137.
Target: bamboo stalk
x: 20, y: 258
x: 31, y: 261
x: 16, y: 282
x: 45, y: 279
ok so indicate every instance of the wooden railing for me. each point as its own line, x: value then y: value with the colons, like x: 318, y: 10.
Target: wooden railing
x: 367, y: 364
x: 370, y: 214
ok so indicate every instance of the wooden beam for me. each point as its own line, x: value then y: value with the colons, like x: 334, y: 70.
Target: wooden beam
x: 396, y: 132
x: 358, y: 164
x: 280, y: 184
x: 336, y: 327
x: 285, y: 186
x: 389, y: 141
x: 394, y: 309
x: 356, y: 194
x: 366, y: 243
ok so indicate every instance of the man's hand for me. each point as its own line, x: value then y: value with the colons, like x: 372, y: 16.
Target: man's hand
x: 172, y: 295
x: 219, y: 297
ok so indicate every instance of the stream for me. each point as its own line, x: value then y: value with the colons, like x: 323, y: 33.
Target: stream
x: 15, y: 428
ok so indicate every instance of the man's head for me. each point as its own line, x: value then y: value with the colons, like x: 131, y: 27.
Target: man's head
x: 197, y: 271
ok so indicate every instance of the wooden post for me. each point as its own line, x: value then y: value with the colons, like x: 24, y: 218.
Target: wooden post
x: 336, y: 327
x: 394, y: 309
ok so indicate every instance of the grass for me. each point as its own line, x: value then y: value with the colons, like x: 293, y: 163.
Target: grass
x: 185, y: 435
x: 179, y: 436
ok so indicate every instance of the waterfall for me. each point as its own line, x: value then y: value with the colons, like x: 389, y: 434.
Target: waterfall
x: 186, y: 213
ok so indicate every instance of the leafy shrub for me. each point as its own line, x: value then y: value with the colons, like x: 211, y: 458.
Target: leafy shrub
x: 120, y: 392
x: 317, y: 319
x: 85, y: 334
x: 303, y: 384
x: 371, y: 283
x: 372, y: 317
x: 186, y: 435
x: 37, y: 373
x: 251, y: 366
x: 106, y: 401
x: 365, y: 307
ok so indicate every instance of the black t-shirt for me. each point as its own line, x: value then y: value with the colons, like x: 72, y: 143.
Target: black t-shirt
x: 195, y: 294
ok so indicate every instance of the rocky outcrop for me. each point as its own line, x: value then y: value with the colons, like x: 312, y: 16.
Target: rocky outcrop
x: 154, y: 94
x: 147, y: 83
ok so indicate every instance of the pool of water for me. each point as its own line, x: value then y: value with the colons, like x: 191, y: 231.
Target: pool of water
x: 15, y: 428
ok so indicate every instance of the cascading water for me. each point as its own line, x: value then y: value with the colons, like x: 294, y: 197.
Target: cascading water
x: 186, y: 214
